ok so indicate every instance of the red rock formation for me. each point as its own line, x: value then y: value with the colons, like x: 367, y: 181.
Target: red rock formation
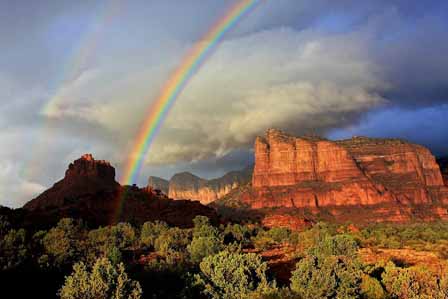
x: 186, y: 185
x: 286, y: 220
x: 83, y: 177
x: 388, y: 176
x: 89, y: 191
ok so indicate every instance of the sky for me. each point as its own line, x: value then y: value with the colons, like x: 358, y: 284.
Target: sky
x: 77, y: 77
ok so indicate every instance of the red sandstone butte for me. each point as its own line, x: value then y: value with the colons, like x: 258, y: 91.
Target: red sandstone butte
x: 89, y: 191
x: 394, y: 179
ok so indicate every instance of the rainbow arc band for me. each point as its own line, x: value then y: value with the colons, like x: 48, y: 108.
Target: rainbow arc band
x: 177, y: 82
x: 174, y: 86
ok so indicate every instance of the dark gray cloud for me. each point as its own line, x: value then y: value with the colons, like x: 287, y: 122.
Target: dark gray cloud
x: 303, y: 66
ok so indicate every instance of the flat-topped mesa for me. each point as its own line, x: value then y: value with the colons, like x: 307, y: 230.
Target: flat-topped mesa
x: 382, y: 157
x: 409, y: 170
x: 312, y: 172
x: 282, y: 160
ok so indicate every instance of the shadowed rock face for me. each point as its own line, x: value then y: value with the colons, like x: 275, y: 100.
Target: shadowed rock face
x: 157, y: 183
x: 186, y: 185
x: 85, y: 176
x: 89, y: 191
x: 391, y: 177
x: 443, y: 163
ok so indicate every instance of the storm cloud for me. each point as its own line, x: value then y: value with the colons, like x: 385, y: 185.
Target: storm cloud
x: 322, y: 67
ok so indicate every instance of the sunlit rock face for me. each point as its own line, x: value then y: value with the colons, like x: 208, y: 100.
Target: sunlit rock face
x: 186, y: 185
x: 391, y: 176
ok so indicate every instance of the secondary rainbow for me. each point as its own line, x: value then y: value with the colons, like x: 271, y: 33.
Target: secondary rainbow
x: 177, y: 82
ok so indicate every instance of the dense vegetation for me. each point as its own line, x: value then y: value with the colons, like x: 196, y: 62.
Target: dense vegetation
x: 230, y: 261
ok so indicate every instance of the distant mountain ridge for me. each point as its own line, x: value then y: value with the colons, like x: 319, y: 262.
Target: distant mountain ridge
x: 186, y: 185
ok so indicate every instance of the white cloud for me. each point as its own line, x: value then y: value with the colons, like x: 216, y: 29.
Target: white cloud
x: 16, y: 190
x: 297, y: 80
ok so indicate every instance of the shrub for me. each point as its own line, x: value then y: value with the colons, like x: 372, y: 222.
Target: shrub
x: 105, y: 281
x: 232, y: 275
x: 172, y: 240
x: 236, y: 233
x: 63, y: 242
x: 151, y: 231
x: 412, y: 283
x: 13, y: 249
x: 326, y: 277
x: 109, y: 241
x: 279, y: 234
x: 263, y: 240
x: 335, y: 245
x: 371, y: 288
x: 206, y: 240
x: 5, y: 226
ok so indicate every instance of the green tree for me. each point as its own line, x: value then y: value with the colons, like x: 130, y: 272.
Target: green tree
x: 13, y: 249
x: 233, y: 275
x: 172, y: 240
x: 412, y: 283
x: 326, y: 277
x: 371, y: 288
x: 238, y: 233
x: 151, y: 231
x: 335, y: 245
x: 207, y: 240
x: 63, y: 243
x: 109, y: 241
x: 104, y: 281
x: 5, y: 226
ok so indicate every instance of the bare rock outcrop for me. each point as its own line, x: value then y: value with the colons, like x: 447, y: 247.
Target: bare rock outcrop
x: 186, y: 185
x: 89, y: 191
x: 392, y: 180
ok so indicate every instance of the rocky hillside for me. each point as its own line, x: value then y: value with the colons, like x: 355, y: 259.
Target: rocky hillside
x: 186, y: 185
x: 89, y: 191
x: 359, y: 179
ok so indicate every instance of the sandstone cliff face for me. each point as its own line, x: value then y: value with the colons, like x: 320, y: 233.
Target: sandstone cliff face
x: 389, y: 176
x: 89, y: 191
x: 186, y: 185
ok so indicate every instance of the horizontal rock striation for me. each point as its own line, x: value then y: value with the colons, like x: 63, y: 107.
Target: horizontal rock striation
x: 391, y: 177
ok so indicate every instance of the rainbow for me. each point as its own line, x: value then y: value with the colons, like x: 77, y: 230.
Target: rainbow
x: 177, y: 82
